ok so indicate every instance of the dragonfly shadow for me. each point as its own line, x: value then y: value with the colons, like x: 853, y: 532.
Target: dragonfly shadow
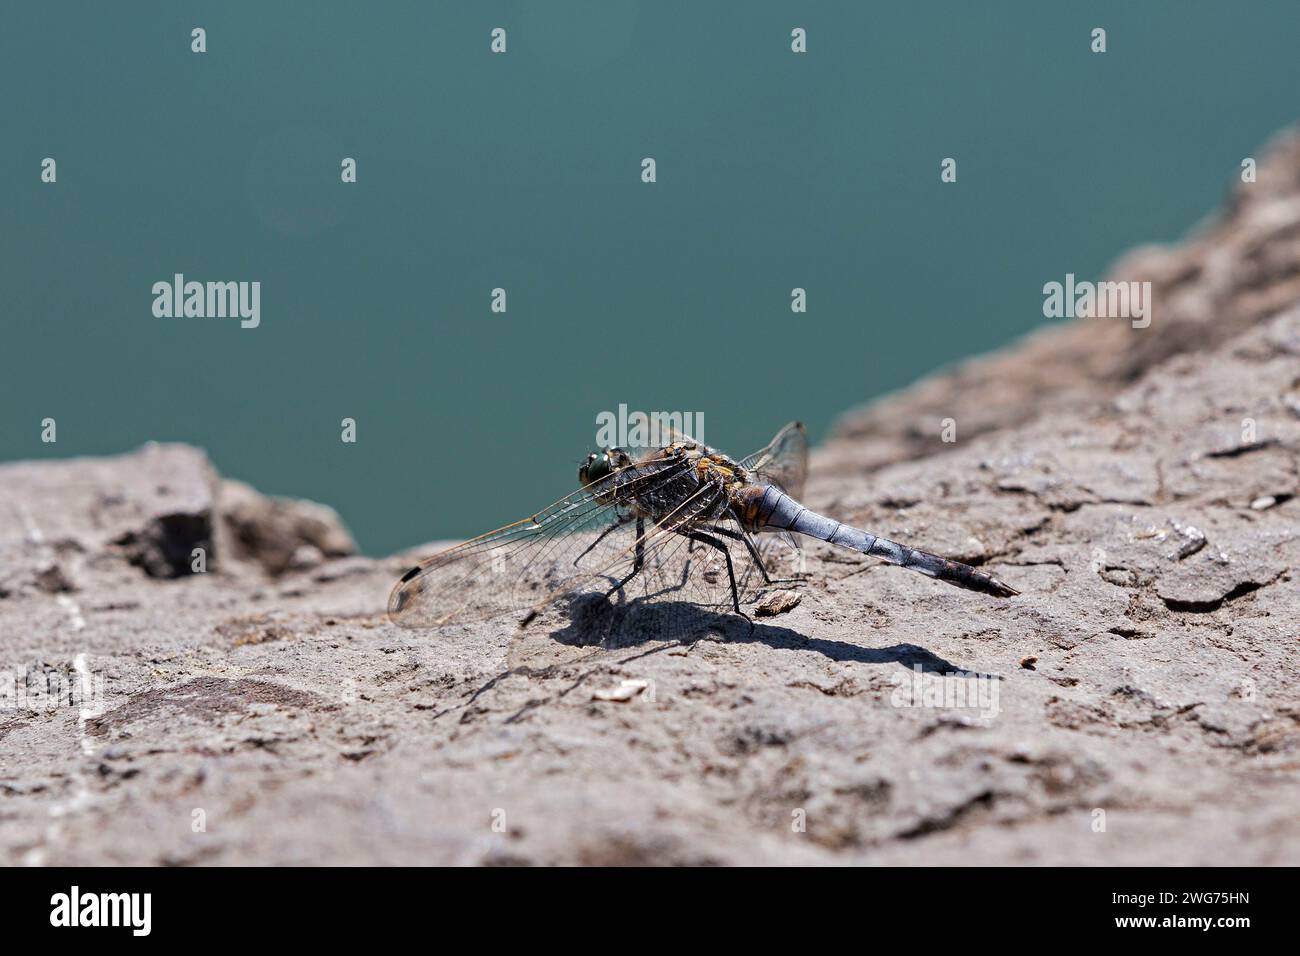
x: 910, y: 656
x: 596, y: 623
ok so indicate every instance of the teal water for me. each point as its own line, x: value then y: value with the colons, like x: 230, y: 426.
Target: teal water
x: 522, y: 170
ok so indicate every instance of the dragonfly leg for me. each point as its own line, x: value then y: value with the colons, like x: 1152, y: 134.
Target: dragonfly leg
x: 623, y: 519
x: 637, y: 560
x: 713, y: 542
x: 753, y: 552
x: 749, y: 543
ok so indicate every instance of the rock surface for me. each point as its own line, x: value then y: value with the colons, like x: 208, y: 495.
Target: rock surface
x: 1138, y: 703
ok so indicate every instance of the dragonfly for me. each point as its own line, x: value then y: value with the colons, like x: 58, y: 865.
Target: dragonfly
x: 680, y: 524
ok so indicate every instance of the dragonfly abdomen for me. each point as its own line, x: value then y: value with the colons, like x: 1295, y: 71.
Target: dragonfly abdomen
x: 771, y: 508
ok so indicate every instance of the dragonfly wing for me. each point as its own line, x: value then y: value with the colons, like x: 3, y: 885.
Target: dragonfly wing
x: 680, y: 590
x: 784, y: 461
x: 560, y: 550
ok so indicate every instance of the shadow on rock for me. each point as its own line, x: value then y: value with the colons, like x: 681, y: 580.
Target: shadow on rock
x: 591, y: 627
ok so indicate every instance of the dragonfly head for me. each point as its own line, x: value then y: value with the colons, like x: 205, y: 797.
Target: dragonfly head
x: 599, y: 465
x: 596, y: 467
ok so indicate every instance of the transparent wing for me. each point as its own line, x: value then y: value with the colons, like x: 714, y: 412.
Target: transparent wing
x: 557, y: 551
x: 784, y: 462
x: 681, y: 557
x: 680, y: 592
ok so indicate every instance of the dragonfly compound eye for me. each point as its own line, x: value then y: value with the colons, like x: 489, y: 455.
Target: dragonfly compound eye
x: 596, y: 468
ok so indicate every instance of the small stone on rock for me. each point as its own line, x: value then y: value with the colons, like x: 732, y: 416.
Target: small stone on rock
x: 778, y: 603
x: 624, y: 692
